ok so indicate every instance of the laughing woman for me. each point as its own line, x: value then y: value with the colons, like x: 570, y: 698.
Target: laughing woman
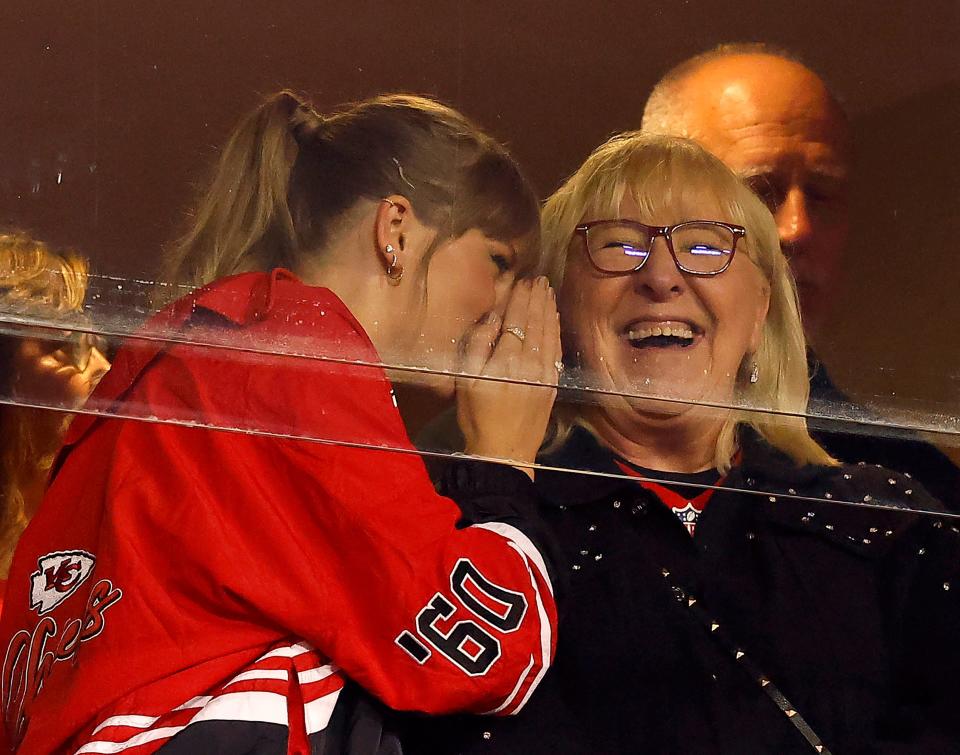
x: 720, y: 600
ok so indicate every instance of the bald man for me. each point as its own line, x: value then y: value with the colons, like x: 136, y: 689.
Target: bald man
x: 776, y: 124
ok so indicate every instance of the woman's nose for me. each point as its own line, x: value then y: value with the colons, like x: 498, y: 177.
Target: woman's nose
x: 660, y: 279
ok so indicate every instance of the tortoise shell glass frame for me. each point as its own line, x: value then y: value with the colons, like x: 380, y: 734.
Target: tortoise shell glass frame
x: 652, y: 232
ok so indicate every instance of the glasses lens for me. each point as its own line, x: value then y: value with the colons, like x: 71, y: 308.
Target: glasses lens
x: 703, y: 247
x: 618, y: 248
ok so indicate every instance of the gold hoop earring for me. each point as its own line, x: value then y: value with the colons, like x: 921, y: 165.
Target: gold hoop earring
x: 394, y: 269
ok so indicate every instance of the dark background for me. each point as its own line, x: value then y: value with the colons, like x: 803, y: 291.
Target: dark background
x: 112, y: 110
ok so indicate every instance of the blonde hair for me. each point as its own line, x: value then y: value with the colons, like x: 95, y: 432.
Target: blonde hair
x: 38, y: 282
x: 288, y: 175
x: 660, y: 171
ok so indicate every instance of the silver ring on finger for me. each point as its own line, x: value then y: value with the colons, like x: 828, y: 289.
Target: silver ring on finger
x: 516, y: 331
x: 559, y: 366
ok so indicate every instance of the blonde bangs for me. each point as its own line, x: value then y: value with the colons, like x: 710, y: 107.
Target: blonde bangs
x: 662, y: 176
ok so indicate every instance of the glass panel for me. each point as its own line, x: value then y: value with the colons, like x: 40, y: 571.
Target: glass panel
x: 187, y: 250
x: 890, y: 375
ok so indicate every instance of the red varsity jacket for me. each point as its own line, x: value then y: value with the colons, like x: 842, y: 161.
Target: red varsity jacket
x: 220, y: 559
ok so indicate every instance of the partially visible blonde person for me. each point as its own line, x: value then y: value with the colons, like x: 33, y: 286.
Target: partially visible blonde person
x: 37, y: 282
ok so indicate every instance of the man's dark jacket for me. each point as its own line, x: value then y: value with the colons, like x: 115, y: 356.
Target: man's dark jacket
x: 867, y: 441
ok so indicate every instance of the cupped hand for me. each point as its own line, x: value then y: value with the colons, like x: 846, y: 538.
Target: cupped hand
x: 504, y: 412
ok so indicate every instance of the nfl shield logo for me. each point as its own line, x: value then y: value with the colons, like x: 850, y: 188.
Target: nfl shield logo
x: 688, y: 515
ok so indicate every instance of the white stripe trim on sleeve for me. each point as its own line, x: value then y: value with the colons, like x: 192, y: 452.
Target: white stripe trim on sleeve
x: 316, y: 674
x: 287, y: 651
x: 545, y: 639
x: 195, y: 702
x: 305, y: 677
x: 524, y: 543
x: 528, y: 552
x: 107, y: 748
x: 316, y: 714
x: 133, y: 721
x: 515, y: 691
x: 259, y: 707
x: 247, y: 676
x: 266, y: 707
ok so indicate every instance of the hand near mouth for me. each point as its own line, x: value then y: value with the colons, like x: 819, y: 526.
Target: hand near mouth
x: 507, y: 418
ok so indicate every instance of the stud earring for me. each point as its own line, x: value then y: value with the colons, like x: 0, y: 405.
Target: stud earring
x: 394, y: 270
x: 755, y: 373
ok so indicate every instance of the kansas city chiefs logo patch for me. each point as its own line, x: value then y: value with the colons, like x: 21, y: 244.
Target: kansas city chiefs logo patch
x: 59, y: 576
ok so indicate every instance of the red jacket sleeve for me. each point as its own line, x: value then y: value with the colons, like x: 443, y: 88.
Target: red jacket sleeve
x: 347, y: 547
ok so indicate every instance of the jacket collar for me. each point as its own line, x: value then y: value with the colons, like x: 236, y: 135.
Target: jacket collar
x: 769, y: 467
x: 581, y: 453
x: 240, y: 299
x: 762, y: 466
x: 762, y: 469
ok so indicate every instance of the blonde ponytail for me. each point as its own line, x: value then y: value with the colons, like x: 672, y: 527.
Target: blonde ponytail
x: 287, y: 176
x: 243, y: 222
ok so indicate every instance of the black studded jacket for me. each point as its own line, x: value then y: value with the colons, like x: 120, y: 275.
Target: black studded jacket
x: 785, y: 625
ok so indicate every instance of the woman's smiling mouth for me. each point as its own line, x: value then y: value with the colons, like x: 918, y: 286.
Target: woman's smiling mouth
x: 662, y: 334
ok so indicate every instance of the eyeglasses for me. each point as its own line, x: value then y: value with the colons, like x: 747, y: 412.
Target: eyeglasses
x: 698, y: 247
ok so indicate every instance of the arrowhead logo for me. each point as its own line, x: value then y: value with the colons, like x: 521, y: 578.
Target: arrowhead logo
x: 59, y: 576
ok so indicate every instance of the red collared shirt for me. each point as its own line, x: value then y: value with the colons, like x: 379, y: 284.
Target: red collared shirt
x: 686, y: 501
x: 177, y: 574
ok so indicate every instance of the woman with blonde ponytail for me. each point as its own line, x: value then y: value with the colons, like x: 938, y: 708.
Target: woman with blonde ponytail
x: 211, y: 589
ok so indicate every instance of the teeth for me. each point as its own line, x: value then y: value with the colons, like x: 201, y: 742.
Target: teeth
x: 647, y: 331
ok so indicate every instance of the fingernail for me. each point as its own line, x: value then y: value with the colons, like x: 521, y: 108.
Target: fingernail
x: 544, y: 282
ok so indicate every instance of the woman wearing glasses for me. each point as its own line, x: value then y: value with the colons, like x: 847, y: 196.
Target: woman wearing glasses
x: 207, y: 580
x: 720, y: 599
